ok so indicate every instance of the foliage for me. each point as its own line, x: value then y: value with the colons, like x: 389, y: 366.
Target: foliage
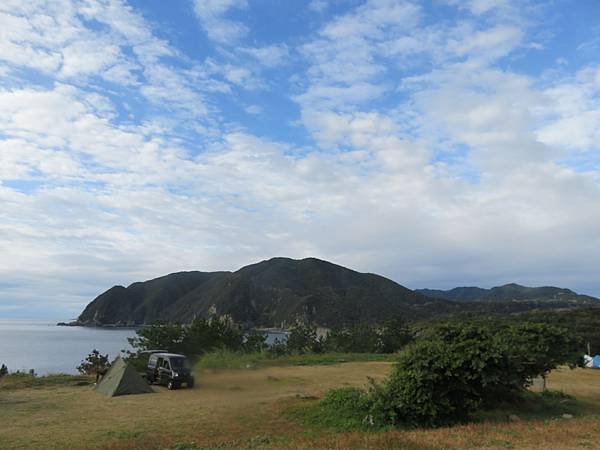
x: 3, y: 370
x: 204, y: 335
x: 580, y: 322
x: 201, y: 336
x: 455, y: 370
x: 303, y: 339
x: 255, y: 341
x: 278, y: 348
x: 343, y: 409
x: 367, y: 338
x: 534, y: 349
x: 361, y: 338
x: 94, y: 364
x: 158, y: 336
x: 394, y: 335
x: 441, y: 379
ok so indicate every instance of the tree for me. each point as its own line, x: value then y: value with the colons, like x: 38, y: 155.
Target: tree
x: 255, y: 342
x: 303, y: 339
x: 206, y: 334
x: 3, y: 370
x: 534, y: 349
x: 158, y: 336
x: 393, y: 336
x: 94, y: 364
x: 360, y: 338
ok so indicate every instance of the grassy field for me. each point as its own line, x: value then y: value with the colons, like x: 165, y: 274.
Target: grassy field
x: 226, y: 359
x: 233, y: 408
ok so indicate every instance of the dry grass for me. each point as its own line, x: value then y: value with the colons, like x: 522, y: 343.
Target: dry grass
x: 243, y: 409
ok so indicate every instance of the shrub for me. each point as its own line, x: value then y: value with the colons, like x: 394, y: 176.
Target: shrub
x: 441, y: 379
x: 456, y: 370
x: 94, y: 364
x: 345, y: 409
x: 3, y: 370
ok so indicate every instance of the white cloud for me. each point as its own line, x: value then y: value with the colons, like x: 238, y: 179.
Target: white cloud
x: 211, y: 14
x: 269, y: 56
x: 458, y: 174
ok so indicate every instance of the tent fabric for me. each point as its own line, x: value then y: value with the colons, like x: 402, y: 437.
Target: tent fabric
x: 588, y: 361
x: 596, y: 361
x: 122, y: 379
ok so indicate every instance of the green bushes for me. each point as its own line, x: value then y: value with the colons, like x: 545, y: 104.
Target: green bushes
x: 389, y: 337
x: 456, y: 370
x: 303, y: 339
x: 342, y: 409
x: 201, y: 336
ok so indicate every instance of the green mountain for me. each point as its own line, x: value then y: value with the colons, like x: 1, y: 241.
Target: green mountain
x: 513, y: 293
x: 269, y: 293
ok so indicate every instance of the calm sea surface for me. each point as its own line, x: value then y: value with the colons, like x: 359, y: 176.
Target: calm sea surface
x: 46, y: 348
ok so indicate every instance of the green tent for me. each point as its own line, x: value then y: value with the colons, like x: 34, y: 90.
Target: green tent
x: 122, y: 379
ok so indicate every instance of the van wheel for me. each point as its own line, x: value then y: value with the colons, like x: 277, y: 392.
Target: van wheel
x: 171, y: 385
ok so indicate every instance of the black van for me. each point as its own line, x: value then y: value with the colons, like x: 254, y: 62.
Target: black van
x: 169, y: 369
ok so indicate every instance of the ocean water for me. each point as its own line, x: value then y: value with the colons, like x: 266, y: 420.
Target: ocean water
x: 47, y: 348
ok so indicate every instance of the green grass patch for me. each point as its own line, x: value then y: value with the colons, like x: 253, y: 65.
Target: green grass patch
x: 347, y: 409
x: 534, y: 405
x: 16, y: 381
x: 226, y: 359
x: 344, y: 409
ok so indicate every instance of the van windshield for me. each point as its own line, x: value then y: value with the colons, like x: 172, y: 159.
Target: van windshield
x: 178, y: 363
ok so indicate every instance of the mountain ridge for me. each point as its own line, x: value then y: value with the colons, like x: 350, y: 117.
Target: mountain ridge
x: 509, y: 292
x: 267, y: 293
x: 277, y: 291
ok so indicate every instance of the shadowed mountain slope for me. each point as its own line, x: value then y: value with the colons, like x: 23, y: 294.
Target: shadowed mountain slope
x: 268, y: 293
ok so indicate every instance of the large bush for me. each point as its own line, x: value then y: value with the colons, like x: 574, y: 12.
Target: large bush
x: 440, y: 379
x: 455, y: 370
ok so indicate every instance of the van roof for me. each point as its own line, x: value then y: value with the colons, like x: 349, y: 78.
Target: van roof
x: 168, y: 355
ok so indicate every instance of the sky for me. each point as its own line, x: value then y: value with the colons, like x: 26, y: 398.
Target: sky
x: 439, y: 143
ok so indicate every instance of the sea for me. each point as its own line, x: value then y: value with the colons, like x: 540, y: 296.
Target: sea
x: 47, y: 348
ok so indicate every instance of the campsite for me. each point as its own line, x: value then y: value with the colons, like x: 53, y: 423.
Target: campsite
x: 257, y: 408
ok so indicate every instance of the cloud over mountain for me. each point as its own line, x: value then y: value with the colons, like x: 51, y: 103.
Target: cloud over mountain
x: 443, y: 145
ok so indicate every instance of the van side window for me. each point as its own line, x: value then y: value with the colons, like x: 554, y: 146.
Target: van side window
x: 166, y: 364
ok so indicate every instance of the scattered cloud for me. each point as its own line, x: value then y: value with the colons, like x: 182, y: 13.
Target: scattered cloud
x: 383, y: 139
x: 212, y: 16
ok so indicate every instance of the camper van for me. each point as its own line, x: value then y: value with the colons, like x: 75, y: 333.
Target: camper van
x: 169, y: 369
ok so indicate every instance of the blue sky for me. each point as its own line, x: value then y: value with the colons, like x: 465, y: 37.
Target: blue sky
x: 438, y: 143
